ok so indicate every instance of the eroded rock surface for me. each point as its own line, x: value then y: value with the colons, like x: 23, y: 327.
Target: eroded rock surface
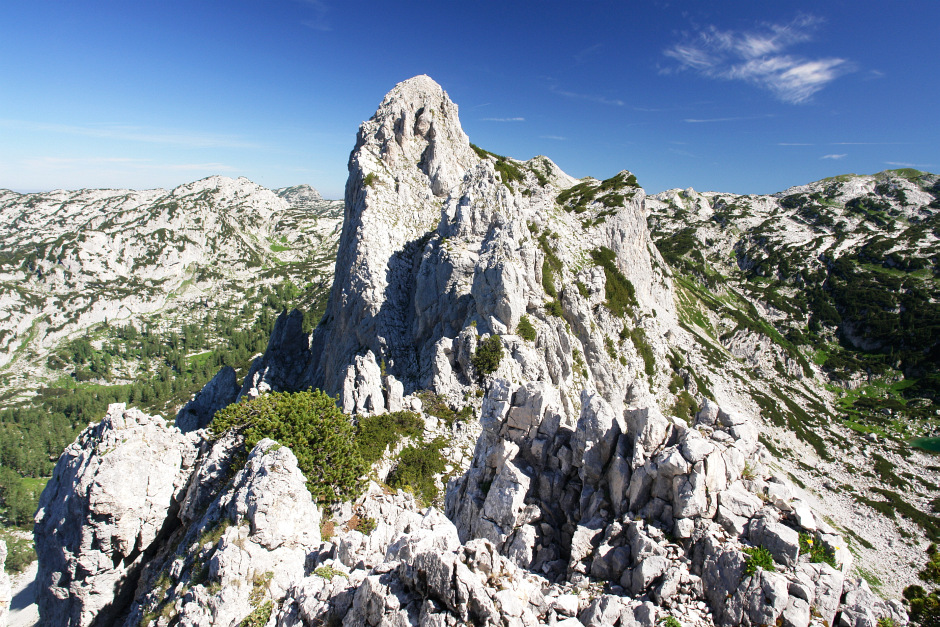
x: 113, y: 497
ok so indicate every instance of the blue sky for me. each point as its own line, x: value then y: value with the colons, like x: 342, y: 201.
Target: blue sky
x: 744, y: 97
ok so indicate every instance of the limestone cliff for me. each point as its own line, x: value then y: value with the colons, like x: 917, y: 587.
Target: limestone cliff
x: 618, y: 475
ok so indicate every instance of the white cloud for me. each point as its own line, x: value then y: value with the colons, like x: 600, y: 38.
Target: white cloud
x: 591, y: 97
x: 318, y: 21
x: 758, y: 58
x: 902, y: 164
x: 136, y: 134
x: 555, y: 137
x: 842, y: 156
x: 729, y: 119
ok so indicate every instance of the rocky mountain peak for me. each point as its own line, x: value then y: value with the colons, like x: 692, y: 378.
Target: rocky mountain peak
x: 300, y: 195
x: 619, y: 475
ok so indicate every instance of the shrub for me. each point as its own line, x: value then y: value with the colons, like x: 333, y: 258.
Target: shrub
x: 924, y: 608
x: 416, y: 468
x: 525, y: 330
x: 620, y: 293
x: 817, y: 552
x: 553, y: 307
x: 366, y: 525
x: 374, y: 434
x: 670, y: 621
x: 931, y: 572
x: 488, y: 355
x: 20, y: 553
x: 548, y: 279
x: 259, y: 617
x: 758, y: 557
x: 328, y: 572
x: 638, y: 337
x: 436, y: 405
x: 310, y: 424
x: 369, y: 180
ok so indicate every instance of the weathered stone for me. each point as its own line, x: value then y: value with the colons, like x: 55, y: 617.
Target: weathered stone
x: 220, y: 392
x: 114, y: 494
x: 738, y: 501
x: 782, y: 542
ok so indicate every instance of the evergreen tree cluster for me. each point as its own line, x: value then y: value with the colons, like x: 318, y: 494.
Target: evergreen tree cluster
x: 309, y: 423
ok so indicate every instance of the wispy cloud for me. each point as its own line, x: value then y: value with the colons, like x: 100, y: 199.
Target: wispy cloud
x: 555, y: 137
x: 729, y: 119
x: 581, y: 56
x: 902, y: 164
x: 318, y: 20
x: 758, y: 57
x: 590, y: 97
x: 842, y: 156
x: 136, y: 134
x: 123, y: 163
x: 503, y: 119
x: 870, y: 144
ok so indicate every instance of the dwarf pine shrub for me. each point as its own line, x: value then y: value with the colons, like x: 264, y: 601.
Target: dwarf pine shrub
x: 309, y: 423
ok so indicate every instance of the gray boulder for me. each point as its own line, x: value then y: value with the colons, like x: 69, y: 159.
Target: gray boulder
x: 113, y: 498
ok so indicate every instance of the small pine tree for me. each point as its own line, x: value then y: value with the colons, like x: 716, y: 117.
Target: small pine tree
x: 313, y: 428
x: 488, y: 355
x: 525, y: 330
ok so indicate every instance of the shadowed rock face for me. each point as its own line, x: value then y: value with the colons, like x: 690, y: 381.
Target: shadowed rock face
x: 220, y: 392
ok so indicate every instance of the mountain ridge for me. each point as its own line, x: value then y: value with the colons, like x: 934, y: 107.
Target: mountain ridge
x: 620, y: 444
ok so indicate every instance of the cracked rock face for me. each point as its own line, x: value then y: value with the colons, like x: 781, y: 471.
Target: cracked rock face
x: 111, y: 500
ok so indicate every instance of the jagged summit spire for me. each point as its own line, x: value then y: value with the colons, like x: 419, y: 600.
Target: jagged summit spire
x: 419, y: 87
x: 415, y: 124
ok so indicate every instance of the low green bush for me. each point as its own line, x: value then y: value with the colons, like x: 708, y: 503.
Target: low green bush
x: 553, y: 307
x: 818, y: 554
x: 758, y: 558
x: 374, y: 434
x: 416, y: 468
x: 309, y: 423
x: 366, y: 525
x: 525, y: 330
x: 620, y: 293
x: 487, y: 356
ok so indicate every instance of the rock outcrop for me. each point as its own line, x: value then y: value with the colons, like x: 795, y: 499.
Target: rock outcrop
x: 113, y: 498
x: 220, y: 392
x: 6, y: 588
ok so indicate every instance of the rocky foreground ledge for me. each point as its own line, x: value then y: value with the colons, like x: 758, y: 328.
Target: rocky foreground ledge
x: 142, y: 524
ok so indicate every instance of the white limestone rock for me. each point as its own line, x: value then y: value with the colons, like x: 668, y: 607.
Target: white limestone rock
x: 6, y: 588
x: 113, y: 498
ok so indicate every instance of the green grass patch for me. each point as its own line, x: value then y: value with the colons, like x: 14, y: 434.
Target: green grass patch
x: 619, y: 291
x: 758, y: 558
